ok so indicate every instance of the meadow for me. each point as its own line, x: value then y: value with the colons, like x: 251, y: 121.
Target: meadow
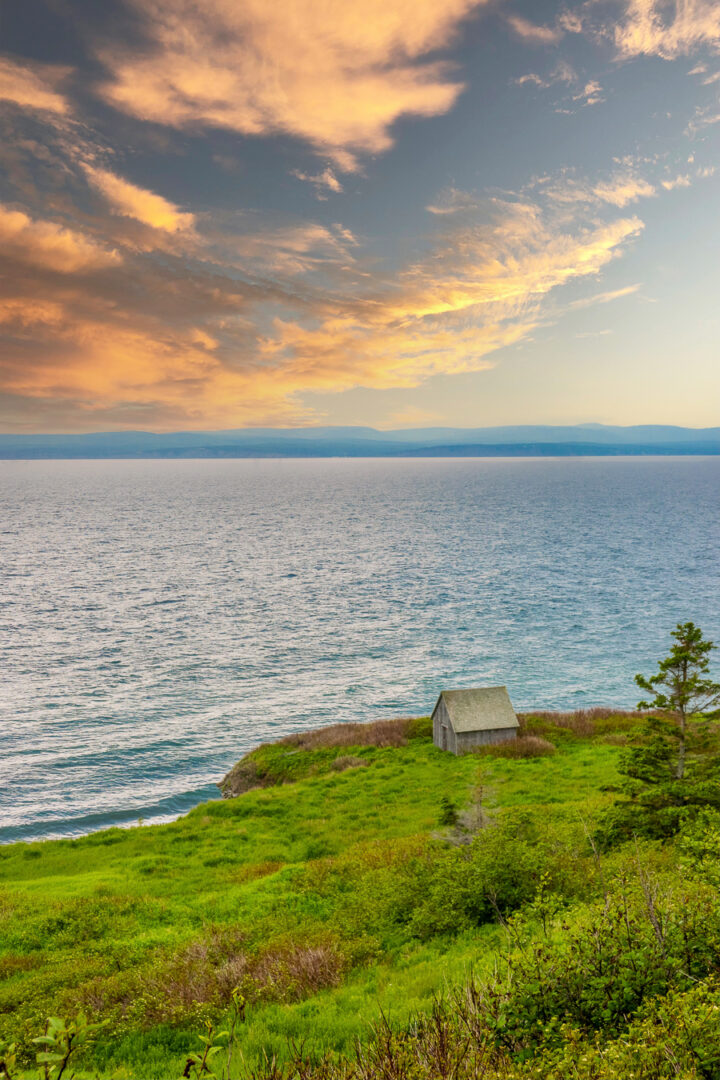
x: 359, y: 877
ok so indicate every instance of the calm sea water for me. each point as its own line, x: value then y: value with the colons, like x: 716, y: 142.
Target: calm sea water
x: 159, y: 618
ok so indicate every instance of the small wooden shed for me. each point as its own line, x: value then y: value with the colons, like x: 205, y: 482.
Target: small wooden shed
x: 463, y: 719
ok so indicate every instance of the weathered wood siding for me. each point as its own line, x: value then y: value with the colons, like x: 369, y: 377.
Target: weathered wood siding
x: 443, y: 727
x: 467, y: 740
x: 446, y: 738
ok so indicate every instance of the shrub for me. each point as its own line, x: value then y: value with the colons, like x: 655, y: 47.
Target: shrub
x: 308, y: 752
x: 198, y: 981
x: 628, y: 989
x: 448, y: 812
x: 375, y: 733
x: 347, y: 761
x: 420, y: 727
x: 450, y: 889
x: 244, y: 776
x: 524, y: 746
x: 584, y: 723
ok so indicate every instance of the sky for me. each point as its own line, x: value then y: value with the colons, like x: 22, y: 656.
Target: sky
x: 398, y: 213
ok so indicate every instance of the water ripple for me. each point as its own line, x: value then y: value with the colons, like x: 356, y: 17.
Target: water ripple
x: 158, y: 618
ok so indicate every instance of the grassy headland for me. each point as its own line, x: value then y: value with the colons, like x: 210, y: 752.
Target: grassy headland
x: 359, y: 872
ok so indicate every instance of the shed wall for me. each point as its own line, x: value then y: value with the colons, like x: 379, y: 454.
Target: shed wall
x: 440, y: 718
x: 466, y: 740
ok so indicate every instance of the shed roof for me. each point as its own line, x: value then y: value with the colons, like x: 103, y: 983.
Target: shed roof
x: 483, y: 708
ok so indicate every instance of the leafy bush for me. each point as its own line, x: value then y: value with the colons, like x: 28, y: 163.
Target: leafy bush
x: 420, y: 727
x: 450, y: 889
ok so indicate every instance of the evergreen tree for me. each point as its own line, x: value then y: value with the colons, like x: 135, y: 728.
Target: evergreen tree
x: 448, y: 811
x: 682, y: 688
x: 672, y: 771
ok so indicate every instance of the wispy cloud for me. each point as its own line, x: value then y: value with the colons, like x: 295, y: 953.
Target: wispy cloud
x: 705, y: 116
x: 579, y: 94
x: 562, y: 72
x: 663, y: 28
x: 33, y: 86
x: 132, y: 201
x: 335, y: 75
x: 667, y: 29
x: 479, y: 290
x: 323, y: 182
x: 677, y: 181
x: 590, y: 94
x: 453, y: 201
x: 605, y: 297
x: 621, y: 188
x: 533, y: 32
x: 290, y: 249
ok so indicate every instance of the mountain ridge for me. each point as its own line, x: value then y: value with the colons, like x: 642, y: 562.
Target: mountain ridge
x: 344, y: 441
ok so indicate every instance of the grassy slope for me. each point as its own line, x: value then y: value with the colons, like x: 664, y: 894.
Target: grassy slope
x: 103, y: 919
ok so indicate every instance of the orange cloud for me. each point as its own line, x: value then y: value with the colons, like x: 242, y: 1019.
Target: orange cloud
x: 664, y: 28
x: 337, y: 75
x: 452, y: 201
x: 50, y: 246
x: 90, y: 374
x: 682, y: 181
x: 475, y: 294
x: 135, y: 202
x: 182, y: 343
x: 33, y: 86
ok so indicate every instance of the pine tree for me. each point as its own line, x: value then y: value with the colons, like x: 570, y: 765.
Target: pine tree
x: 682, y: 688
x: 673, y: 770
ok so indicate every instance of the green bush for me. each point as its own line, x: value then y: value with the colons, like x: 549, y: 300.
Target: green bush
x: 627, y: 988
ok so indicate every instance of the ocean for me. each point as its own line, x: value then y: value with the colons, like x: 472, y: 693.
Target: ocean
x: 160, y: 618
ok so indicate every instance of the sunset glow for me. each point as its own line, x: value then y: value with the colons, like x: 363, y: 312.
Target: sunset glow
x: 225, y: 215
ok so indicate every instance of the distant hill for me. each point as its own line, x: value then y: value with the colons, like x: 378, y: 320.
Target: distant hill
x: 587, y: 440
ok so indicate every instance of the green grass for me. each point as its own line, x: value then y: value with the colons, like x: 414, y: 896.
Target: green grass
x: 331, y: 1020
x: 142, y: 925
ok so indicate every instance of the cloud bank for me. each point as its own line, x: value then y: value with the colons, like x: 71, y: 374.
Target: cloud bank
x: 336, y: 75
x: 120, y: 336
x: 120, y: 306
